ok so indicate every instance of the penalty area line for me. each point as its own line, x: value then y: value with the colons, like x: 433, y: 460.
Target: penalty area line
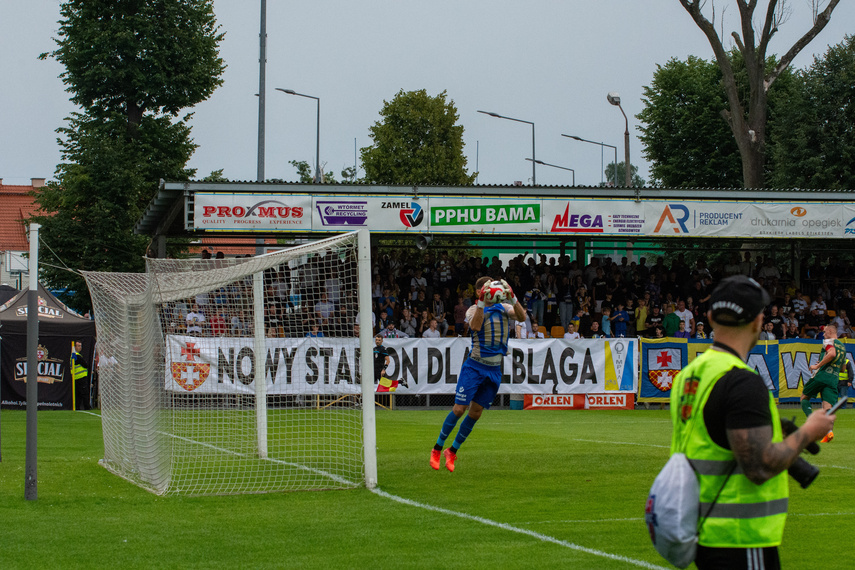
x: 531, y: 533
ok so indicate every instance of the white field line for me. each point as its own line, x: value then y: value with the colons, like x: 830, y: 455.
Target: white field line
x: 620, y: 443
x: 531, y: 533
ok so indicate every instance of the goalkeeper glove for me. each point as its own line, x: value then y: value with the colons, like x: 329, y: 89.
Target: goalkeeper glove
x: 482, y: 293
x: 512, y: 298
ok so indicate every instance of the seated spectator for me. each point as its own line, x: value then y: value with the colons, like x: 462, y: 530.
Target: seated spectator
x: 659, y: 332
x: 700, y: 332
x: 681, y: 331
x: 324, y: 310
x: 432, y: 331
x: 767, y: 332
x: 792, y: 330
x: 571, y: 333
x: 408, y: 323
x: 314, y: 330
x: 195, y: 321
x: 814, y: 323
x: 595, y: 330
x: 385, y: 319
x: 240, y: 326
x: 776, y: 320
x: 218, y: 324
x: 391, y: 332
x: 535, y: 332
x: 424, y: 322
x: 844, y: 327
x: 819, y: 305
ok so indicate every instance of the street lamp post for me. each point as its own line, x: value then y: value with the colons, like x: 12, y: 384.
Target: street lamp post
x: 533, y: 162
x: 317, y: 179
x: 556, y: 166
x: 614, y: 99
x: 580, y: 139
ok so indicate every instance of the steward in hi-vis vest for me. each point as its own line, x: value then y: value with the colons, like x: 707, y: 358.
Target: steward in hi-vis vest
x: 738, y: 450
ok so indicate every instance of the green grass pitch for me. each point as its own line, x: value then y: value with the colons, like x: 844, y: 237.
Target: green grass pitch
x: 531, y: 490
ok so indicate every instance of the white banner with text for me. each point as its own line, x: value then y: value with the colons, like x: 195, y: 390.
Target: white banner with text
x: 226, y: 365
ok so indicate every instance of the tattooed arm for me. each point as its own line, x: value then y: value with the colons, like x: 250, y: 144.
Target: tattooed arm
x: 761, y: 459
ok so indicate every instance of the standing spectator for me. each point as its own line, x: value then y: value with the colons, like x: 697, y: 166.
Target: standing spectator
x: 459, y: 316
x: 641, y: 312
x: 314, y: 330
x: 566, y: 294
x: 324, y: 310
x: 654, y: 319
x: 671, y: 322
x: 599, y: 288
x: 819, y: 305
x: 685, y: 315
x: 606, y: 323
x: 385, y: 319
x: 776, y: 320
x: 535, y: 299
x: 620, y: 319
x: 551, y: 291
x: 814, y: 323
x: 217, y: 324
x: 388, y: 302
x: 438, y: 310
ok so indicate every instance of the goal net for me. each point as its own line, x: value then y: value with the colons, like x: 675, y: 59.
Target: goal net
x: 239, y: 375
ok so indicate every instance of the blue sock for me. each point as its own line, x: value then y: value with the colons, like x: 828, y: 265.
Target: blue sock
x: 447, y: 428
x: 464, y: 431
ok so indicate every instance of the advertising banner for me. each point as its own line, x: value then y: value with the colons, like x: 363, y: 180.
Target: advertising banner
x: 579, y: 402
x: 225, y: 365
x: 782, y: 364
x: 524, y: 215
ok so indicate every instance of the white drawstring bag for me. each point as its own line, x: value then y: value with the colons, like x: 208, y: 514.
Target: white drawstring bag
x: 671, y: 512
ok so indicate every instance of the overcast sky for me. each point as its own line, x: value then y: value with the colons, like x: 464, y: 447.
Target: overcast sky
x: 549, y: 62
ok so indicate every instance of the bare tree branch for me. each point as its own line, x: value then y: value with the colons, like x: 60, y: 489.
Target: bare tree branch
x: 820, y: 21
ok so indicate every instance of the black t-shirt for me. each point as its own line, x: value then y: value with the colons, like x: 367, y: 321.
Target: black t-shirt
x: 739, y: 400
x: 380, y: 355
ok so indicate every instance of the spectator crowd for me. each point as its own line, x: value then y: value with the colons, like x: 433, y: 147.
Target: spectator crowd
x: 429, y: 297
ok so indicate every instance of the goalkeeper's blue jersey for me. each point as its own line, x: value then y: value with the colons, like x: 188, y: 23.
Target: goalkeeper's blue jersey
x: 490, y: 343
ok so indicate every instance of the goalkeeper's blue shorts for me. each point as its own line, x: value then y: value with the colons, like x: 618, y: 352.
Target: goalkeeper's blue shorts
x: 477, y: 383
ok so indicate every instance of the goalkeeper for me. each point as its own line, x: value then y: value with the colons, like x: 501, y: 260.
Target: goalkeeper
x: 481, y: 373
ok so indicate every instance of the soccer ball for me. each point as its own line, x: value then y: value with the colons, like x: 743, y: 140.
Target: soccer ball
x: 495, y: 292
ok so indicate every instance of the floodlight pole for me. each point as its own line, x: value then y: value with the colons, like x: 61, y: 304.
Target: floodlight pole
x: 31, y: 484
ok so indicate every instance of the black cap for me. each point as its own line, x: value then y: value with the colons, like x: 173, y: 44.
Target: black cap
x: 737, y: 300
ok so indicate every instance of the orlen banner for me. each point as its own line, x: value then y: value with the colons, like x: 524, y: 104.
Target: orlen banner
x: 225, y: 365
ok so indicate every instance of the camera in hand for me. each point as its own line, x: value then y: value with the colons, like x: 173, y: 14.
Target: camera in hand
x: 803, y: 472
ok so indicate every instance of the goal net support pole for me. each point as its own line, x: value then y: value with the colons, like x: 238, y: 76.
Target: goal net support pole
x: 366, y: 351
x: 260, y: 352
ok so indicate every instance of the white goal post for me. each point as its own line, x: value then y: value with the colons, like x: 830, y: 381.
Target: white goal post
x: 240, y: 375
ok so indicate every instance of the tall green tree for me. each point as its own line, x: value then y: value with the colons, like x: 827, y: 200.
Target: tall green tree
x: 418, y: 141
x: 815, y: 142
x: 133, y: 57
x: 637, y: 181
x: 748, y: 121
x: 131, y: 66
x: 685, y: 138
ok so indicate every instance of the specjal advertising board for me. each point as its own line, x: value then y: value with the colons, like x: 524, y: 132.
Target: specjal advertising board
x: 521, y: 216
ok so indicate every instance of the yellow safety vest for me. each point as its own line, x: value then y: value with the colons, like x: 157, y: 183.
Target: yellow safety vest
x: 78, y: 371
x: 745, y: 515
